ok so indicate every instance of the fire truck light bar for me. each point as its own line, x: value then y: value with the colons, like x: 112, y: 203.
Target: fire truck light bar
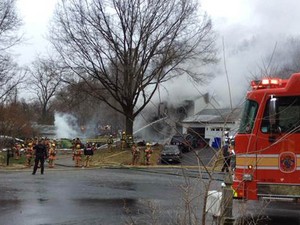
x: 267, y: 83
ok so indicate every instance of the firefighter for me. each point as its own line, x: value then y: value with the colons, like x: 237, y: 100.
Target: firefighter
x: 17, y: 149
x: 47, y: 143
x: 29, y: 154
x: 226, y: 156
x: 232, y: 156
x: 78, y: 155
x: 110, y: 142
x: 52, y: 155
x: 73, y: 149
x: 78, y: 141
x: 148, y: 153
x: 129, y: 141
x: 88, y: 153
x: 94, y: 147
x: 135, y: 154
x: 75, y: 143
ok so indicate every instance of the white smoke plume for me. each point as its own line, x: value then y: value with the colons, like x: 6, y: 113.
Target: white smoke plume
x: 65, y: 125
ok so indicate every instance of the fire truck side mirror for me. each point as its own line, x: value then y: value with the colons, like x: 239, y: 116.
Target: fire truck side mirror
x: 273, y: 111
x: 273, y: 116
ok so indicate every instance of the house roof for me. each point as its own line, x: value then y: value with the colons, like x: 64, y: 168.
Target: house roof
x: 215, y: 116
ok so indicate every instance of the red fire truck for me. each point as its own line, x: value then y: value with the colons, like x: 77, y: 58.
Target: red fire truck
x: 267, y: 144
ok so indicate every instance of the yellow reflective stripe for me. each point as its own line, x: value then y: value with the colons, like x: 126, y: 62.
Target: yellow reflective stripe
x: 261, y: 167
x: 245, y: 161
x: 267, y: 161
x: 262, y: 161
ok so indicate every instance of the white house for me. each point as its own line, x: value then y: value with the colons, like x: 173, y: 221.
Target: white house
x: 210, y: 124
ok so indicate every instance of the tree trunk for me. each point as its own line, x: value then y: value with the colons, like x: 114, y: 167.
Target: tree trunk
x: 129, y: 125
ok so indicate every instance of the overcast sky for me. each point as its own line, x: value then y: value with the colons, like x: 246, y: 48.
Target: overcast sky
x: 36, y: 15
x: 250, y: 30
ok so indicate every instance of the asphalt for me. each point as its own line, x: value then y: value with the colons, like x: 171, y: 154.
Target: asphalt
x: 64, y: 162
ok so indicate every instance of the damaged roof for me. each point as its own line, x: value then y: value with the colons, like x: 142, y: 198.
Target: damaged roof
x: 215, y: 116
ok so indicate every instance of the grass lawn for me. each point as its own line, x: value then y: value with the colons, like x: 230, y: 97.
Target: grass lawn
x: 123, y: 157
x: 12, y: 161
x: 116, y: 156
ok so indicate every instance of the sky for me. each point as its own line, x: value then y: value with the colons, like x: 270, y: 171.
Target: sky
x: 248, y: 29
x: 35, y: 15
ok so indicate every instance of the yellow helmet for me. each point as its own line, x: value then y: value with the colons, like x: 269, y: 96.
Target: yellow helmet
x: 53, y: 145
x: 78, y: 146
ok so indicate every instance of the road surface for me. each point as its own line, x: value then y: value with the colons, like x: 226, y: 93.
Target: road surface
x: 96, y: 196
x: 67, y: 195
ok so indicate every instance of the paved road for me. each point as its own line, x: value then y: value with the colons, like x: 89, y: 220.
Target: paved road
x: 116, y: 196
x: 197, y: 157
x: 268, y: 212
x: 68, y: 195
x: 96, y: 196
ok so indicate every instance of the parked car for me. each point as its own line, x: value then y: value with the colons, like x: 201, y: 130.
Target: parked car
x: 170, y: 153
x: 185, y: 142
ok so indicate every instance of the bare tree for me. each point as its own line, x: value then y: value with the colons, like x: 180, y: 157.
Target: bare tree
x: 15, y: 121
x: 9, y: 25
x: 282, y: 62
x: 127, y: 48
x: 9, y: 77
x: 44, y: 82
x: 288, y: 58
